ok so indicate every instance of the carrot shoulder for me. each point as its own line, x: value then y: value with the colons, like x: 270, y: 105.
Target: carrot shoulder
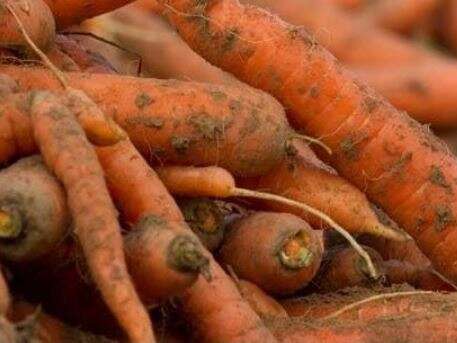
x: 61, y: 139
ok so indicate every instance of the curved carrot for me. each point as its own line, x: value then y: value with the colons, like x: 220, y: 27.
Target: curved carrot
x: 38, y: 21
x: 182, y: 122
x: 34, y: 211
x: 61, y: 139
x: 277, y: 251
x: 403, y: 167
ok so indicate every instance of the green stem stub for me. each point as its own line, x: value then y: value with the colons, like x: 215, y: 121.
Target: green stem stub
x: 10, y: 223
x: 186, y: 256
x: 295, y: 253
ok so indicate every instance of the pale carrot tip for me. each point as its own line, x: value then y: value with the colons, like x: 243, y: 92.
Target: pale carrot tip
x: 10, y: 224
x: 295, y: 254
x: 186, y: 255
x: 389, y: 233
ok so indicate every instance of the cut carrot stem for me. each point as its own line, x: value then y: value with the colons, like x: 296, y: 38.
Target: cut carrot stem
x: 10, y: 224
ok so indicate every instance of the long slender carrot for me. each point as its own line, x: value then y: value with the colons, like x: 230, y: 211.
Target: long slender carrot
x: 60, y: 139
x: 375, y: 146
x: 38, y: 20
x: 236, y: 127
x: 277, y: 251
x: 33, y: 211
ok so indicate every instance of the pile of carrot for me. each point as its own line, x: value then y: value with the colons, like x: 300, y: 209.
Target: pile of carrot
x: 260, y: 177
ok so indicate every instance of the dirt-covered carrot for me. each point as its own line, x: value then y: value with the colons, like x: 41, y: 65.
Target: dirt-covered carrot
x: 38, y: 21
x: 36, y: 326
x: 343, y: 267
x: 401, y: 166
x: 404, y: 315
x: 208, y: 218
x: 60, y: 139
x: 263, y: 304
x: 181, y: 122
x: 277, y: 251
x: 34, y: 213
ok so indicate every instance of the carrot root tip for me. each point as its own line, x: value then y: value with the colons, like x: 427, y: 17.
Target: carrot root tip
x: 186, y: 255
x: 10, y: 223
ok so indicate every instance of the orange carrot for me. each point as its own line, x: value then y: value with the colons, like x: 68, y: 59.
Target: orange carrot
x: 425, y: 91
x: 38, y: 22
x: 181, y: 122
x: 38, y: 326
x: 401, y: 166
x: 402, y: 16
x: 277, y: 251
x: 343, y: 267
x: 61, y: 139
x: 407, y: 317
x: 34, y: 214
x: 70, y: 12
x: 261, y: 303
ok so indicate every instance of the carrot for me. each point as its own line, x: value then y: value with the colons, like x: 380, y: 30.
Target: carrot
x: 403, y: 16
x: 142, y: 33
x: 343, y: 267
x: 277, y: 251
x: 7, y: 85
x: 87, y: 60
x: 350, y: 39
x: 208, y: 219
x: 34, y: 211
x: 60, y: 139
x: 406, y: 316
x: 38, y: 20
x: 375, y: 146
x: 261, y: 303
x: 180, y: 122
x: 38, y: 326
x: 161, y: 261
x: 70, y: 12
x: 215, y: 309
x: 425, y: 91
x: 418, y: 277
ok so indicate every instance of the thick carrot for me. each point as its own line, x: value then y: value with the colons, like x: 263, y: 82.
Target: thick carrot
x: 277, y: 251
x: 425, y: 91
x: 60, y: 140
x: 70, y: 12
x: 343, y: 267
x: 38, y: 21
x: 41, y: 327
x: 402, y: 16
x: 375, y: 146
x: 34, y: 211
x: 409, y: 317
x: 181, y: 122
x: 215, y: 309
x: 263, y: 304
